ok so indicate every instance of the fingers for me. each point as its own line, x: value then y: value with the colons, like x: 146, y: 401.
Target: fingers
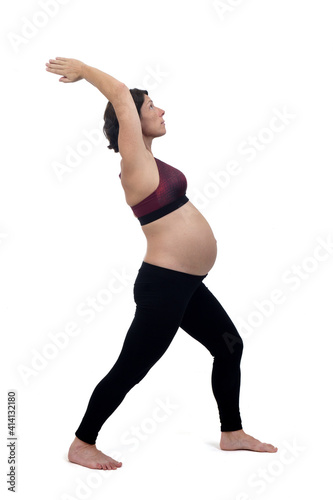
x: 55, y: 67
x: 56, y: 63
x: 58, y: 59
x: 59, y: 67
x: 54, y: 70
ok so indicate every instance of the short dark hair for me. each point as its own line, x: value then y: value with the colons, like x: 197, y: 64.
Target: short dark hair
x: 111, y: 124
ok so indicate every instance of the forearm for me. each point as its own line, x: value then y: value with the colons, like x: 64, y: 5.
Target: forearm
x: 113, y: 89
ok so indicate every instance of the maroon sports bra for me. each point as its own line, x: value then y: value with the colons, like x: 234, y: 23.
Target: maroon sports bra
x: 167, y: 197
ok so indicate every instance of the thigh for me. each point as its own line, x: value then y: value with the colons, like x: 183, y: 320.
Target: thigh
x: 149, y: 336
x: 161, y: 297
x: 207, y: 321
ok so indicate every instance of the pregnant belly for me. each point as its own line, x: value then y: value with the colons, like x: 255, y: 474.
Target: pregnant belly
x: 182, y: 240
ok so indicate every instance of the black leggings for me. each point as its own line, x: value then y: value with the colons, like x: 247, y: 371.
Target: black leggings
x: 166, y: 300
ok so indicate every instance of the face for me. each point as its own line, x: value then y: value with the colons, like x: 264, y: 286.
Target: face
x: 152, y: 119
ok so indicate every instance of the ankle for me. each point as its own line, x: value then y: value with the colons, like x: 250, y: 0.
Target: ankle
x: 78, y: 443
x: 232, y: 433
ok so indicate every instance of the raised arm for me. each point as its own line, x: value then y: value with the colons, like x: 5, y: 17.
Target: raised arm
x: 114, y: 90
x: 130, y: 141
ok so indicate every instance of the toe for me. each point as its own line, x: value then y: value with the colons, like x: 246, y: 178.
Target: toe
x: 262, y: 447
x: 270, y: 447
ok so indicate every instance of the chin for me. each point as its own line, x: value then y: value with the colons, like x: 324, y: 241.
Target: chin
x: 160, y: 134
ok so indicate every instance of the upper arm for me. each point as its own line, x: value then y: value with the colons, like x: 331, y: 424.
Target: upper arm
x: 130, y: 141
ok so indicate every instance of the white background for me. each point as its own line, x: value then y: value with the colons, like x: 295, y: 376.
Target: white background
x: 222, y: 77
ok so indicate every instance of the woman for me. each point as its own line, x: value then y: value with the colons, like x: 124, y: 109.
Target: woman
x: 168, y: 291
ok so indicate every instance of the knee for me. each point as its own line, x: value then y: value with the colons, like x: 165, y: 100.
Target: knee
x: 232, y: 344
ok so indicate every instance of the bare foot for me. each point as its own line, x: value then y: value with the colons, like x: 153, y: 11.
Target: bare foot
x: 89, y: 456
x: 238, y: 440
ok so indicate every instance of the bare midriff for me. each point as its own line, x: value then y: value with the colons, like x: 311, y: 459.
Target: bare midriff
x: 181, y: 240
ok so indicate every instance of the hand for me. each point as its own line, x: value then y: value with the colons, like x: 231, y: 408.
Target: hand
x: 72, y: 69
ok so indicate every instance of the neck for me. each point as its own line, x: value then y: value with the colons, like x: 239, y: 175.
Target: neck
x: 148, y: 142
